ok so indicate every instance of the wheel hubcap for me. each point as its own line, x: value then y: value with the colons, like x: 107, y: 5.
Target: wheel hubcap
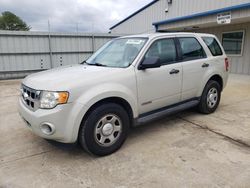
x: 212, y: 97
x: 108, y: 130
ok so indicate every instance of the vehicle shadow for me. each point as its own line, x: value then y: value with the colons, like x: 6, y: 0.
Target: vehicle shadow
x: 135, y: 134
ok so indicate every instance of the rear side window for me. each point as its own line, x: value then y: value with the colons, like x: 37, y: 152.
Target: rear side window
x: 213, y: 46
x: 191, y: 49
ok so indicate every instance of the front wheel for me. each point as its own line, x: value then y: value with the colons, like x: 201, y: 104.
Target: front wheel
x: 105, y: 129
x: 210, y: 98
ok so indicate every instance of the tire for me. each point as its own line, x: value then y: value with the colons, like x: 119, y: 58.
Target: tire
x: 105, y: 129
x: 210, y: 98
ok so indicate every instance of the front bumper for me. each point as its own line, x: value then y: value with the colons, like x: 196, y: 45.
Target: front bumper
x: 64, y: 119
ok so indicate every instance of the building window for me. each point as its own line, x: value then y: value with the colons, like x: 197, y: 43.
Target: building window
x: 213, y: 46
x: 233, y: 42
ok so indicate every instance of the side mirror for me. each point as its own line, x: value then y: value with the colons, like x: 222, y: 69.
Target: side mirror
x: 150, y: 62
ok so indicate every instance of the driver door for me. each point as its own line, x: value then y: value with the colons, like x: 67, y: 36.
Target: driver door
x: 160, y: 87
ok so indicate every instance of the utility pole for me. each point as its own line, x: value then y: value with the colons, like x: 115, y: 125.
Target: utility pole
x: 78, y: 41
x: 50, y: 50
x: 93, y: 38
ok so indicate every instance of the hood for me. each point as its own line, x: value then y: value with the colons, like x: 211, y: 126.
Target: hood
x: 64, y: 78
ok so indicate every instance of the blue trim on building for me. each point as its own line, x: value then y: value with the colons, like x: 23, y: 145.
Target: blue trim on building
x: 202, y: 14
x: 138, y: 11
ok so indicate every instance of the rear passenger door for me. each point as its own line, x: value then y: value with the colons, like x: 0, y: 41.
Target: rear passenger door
x: 194, y: 65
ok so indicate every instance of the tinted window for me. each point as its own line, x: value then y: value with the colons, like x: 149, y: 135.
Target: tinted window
x: 213, y: 46
x: 164, y: 49
x: 232, y: 42
x: 191, y: 49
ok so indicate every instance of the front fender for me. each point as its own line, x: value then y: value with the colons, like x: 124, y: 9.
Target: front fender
x: 97, y: 93
x: 100, y: 92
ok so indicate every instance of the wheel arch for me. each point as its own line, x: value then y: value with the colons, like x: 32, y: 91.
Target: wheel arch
x: 117, y: 100
x: 218, y: 79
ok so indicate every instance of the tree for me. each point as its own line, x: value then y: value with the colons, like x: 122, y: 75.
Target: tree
x: 9, y: 21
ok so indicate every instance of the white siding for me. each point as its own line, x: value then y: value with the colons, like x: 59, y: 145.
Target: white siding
x: 142, y: 22
x: 238, y: 16
x: 187, y: 7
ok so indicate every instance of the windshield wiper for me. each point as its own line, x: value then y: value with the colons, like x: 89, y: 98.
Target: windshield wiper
x: 84, y: 62
x: 99, y: 64
x: 93, y: 64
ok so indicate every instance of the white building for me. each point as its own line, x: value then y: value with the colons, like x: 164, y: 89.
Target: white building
x: 229, y: 20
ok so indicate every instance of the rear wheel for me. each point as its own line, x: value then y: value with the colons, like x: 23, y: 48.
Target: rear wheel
x: 210, y: 98
x: 105, y: 129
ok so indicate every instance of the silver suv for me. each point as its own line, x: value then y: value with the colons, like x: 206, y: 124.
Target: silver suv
x: 129, y: 81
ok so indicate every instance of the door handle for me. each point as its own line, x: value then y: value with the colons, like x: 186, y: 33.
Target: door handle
x: 205, y: 65
x: 174, y: 71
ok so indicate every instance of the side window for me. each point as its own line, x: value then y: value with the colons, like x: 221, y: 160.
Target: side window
x: 164, y: 49
x: 213, y: 46
x: 191, y: 49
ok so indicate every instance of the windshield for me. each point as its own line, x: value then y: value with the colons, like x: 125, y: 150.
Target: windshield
x: 117, y: 53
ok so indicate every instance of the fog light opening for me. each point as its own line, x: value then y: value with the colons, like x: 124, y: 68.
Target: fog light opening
x: 47, y: 128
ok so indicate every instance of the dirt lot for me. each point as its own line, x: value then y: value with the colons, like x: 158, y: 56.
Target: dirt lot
x: 185, y: 150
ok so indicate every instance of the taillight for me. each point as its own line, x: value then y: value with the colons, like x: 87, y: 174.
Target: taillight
x: 227, y: 64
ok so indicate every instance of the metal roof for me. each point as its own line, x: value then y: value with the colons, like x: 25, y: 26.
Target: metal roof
x: 138, y: 11
x: 202, y: 14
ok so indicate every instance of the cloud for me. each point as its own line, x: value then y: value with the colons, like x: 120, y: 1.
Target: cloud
x: 70, y: 15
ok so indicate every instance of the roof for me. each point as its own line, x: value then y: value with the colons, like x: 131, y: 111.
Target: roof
x: 130, y: 16
x: 155, y: 35
x: 202, y: 14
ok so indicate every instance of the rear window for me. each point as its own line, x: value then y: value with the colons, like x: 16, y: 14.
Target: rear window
x: 213, y: 46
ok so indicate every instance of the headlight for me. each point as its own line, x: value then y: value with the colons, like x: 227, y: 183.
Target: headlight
x: 49, y: 99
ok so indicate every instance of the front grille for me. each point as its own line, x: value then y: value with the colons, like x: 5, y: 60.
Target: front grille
x: 30, y: 97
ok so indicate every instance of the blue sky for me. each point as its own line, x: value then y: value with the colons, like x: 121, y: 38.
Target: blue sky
x: 68, y: 15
